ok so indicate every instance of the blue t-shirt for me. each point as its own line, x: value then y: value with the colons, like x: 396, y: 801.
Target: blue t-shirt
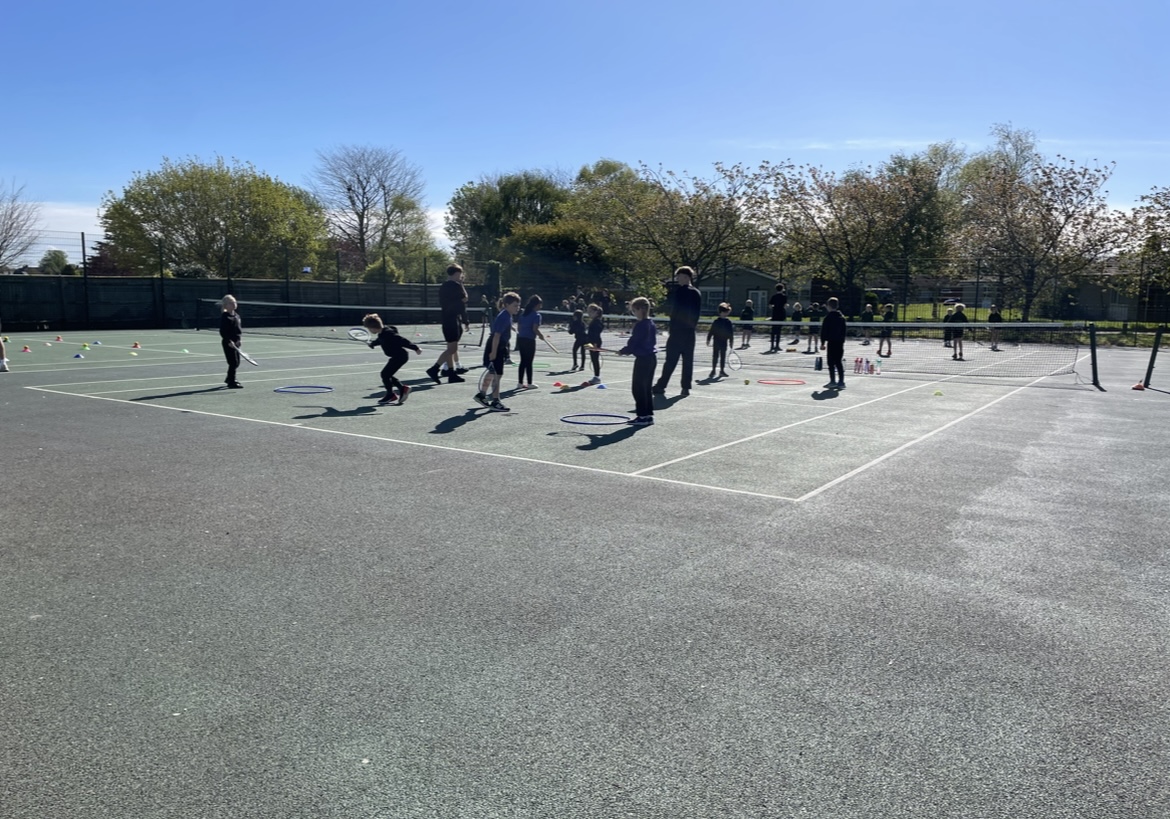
x: 642, y: 339
x: 528, y: 324
x: 502, y: 324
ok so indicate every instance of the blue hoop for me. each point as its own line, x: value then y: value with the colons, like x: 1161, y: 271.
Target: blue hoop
x: 304, y: 389
x: 572, y: 419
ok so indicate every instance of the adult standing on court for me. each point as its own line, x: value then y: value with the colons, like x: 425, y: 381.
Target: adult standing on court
x: 833, y: 331
x: 231, y: 332
x: 453, y: 314
x: 779, y: 305
x: 687, y: 302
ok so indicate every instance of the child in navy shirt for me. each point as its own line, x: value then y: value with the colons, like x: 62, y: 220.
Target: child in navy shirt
x: 641, y: 347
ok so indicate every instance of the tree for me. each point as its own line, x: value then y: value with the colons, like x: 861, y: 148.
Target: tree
x: 231, y: 219
x: 1038, y: 223
x: 1150, y: 229
x: 18, y: 224
x: 373, y: 197
x: 847, y: 224
x: 481, y: 215
x: 649, y: 221
x: 54, y: 262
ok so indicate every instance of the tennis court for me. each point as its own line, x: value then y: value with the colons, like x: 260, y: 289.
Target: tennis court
x: 924, y: 595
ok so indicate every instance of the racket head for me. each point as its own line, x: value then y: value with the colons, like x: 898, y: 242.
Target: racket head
x: 733, y: 360
x: 247, y: 357
x: 484, y: 379
x: 360, y: 334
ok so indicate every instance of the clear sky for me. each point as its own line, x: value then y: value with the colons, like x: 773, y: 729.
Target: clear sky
x: 97, y: 91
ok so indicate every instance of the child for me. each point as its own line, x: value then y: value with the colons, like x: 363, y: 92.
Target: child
x: 526, y: 335
x: 230, y: 333
x: 578, y: 332
x: 641, y: 347
x: 886, y: 335
x: 833, y: 332
x: 722, y: 332
x: 958, y: 320
x: 797, y: 316
x: 814, y: 327
x: 866, y: 318
x: 994, y: 318
x: 748, y: 315
x: 593, y: 336
x: 495, y: 352
x: 395, y: 347
x: 948, y: 333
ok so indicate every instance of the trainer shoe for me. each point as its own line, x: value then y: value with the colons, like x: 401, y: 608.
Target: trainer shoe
x: 235, y: 385
x: 496, y: 406
x: 388, y: 398
x: 405, y: 394
x: 433, y: 372
x: 480, y: 398
x: 4, y: 365
x: 460, y: 369
x: 595, y: 380
x: 685, y: 393
x: 453, y: 378
x: 658, y: 391
x: 643, y: 421
x: 723, y: 374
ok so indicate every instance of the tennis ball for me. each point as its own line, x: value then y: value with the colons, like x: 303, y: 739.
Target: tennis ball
x: 938, y: 392
x: 747, y: 381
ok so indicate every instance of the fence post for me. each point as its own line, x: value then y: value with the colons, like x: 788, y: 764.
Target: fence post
x: 1093, y: 355
x: 85, y: 281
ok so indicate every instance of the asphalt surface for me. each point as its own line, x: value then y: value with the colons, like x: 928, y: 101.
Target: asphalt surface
x: 775, y: 602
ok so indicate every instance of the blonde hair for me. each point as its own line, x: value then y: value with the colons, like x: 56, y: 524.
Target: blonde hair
x: 724, y: 308
x: 223, y: 303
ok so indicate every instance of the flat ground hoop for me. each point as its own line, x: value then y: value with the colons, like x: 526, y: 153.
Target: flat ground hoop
x: 596, y: 419
x: 781, y: 382
x: 304, y: 389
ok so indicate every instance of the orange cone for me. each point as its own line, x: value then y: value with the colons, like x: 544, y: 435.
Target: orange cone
x: 1139, y: 386
x: 26, y: 349
x: 59, y: 338
x: 135, y: 346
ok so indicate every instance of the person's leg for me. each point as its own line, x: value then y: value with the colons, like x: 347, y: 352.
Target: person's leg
x: 527, y: 347
x: 672, y: 354
x: 642, y: 385
x: 232, y: 354
x: 687, y: 352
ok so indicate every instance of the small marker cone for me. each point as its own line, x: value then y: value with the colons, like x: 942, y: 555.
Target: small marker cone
x: 135, y: 346
x: 26, y: 349
x: 602, y: 387
x: 184, y: 351
x: 558, y: 384
x: 584, y: 383
x: 97, y: 344
x: 58, y: 338
x: 85, y: 346
x: 79, y: 355
x: 1139, y: 386
x: 48, y: 344
x: 133, y: 353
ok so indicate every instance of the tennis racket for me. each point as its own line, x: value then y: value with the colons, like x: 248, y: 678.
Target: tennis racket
x: 484, y: 378
x: 246, y: 357
x: 604, y: 351
x: 360, y: 334
x: 551, y: 347
x: 733, y: 360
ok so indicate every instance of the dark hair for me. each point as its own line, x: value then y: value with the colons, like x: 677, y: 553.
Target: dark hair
x: 452, y: 269
x: 533, y: 303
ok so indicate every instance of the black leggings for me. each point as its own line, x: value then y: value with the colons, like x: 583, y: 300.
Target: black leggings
x: 232, y: 353
x: 596, y: 358
x: 579, y: 345
x: 527, y: 348
x: 388, y: 380
x: 719, y: 356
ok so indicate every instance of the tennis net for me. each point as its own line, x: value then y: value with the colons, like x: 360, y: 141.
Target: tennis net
x: 1003, y: 350
x: 422, y: 325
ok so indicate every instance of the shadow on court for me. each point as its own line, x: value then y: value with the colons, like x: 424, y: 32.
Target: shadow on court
x: 333, y: 412
x: 220, y: 388
x: 449, y: 425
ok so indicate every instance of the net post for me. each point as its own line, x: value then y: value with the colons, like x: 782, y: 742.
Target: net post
x: 1093, y: 355
x: 1153, y: 356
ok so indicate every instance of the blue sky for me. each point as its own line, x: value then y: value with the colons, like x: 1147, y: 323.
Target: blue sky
x: 96, y: 92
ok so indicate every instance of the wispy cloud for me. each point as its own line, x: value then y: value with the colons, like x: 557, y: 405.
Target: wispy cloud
x: 70, y: 217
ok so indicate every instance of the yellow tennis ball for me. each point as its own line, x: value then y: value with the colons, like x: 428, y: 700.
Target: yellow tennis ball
x: 747, y: 381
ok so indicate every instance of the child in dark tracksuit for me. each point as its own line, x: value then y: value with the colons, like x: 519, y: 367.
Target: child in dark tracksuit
x: 641, y: 347
x: 722, y: 333
x: 593, y: 336
x: 230, y: 333
x: 580, y: 336
x: 833, y: 332
x: 395, y: 347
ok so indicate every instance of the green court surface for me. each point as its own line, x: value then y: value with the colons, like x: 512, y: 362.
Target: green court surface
x: 921, y: 596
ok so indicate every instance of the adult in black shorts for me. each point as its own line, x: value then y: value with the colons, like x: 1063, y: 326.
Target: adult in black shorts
x: 453, y: 315
x: 687, y: 302
x: 779, y: 305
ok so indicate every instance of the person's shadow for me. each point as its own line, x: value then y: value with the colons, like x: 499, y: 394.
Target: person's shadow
x: 599, y: 439
x: 825, y: 394
x: 179, y: 394
x: 333, y: 412
x: 448, y: 425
